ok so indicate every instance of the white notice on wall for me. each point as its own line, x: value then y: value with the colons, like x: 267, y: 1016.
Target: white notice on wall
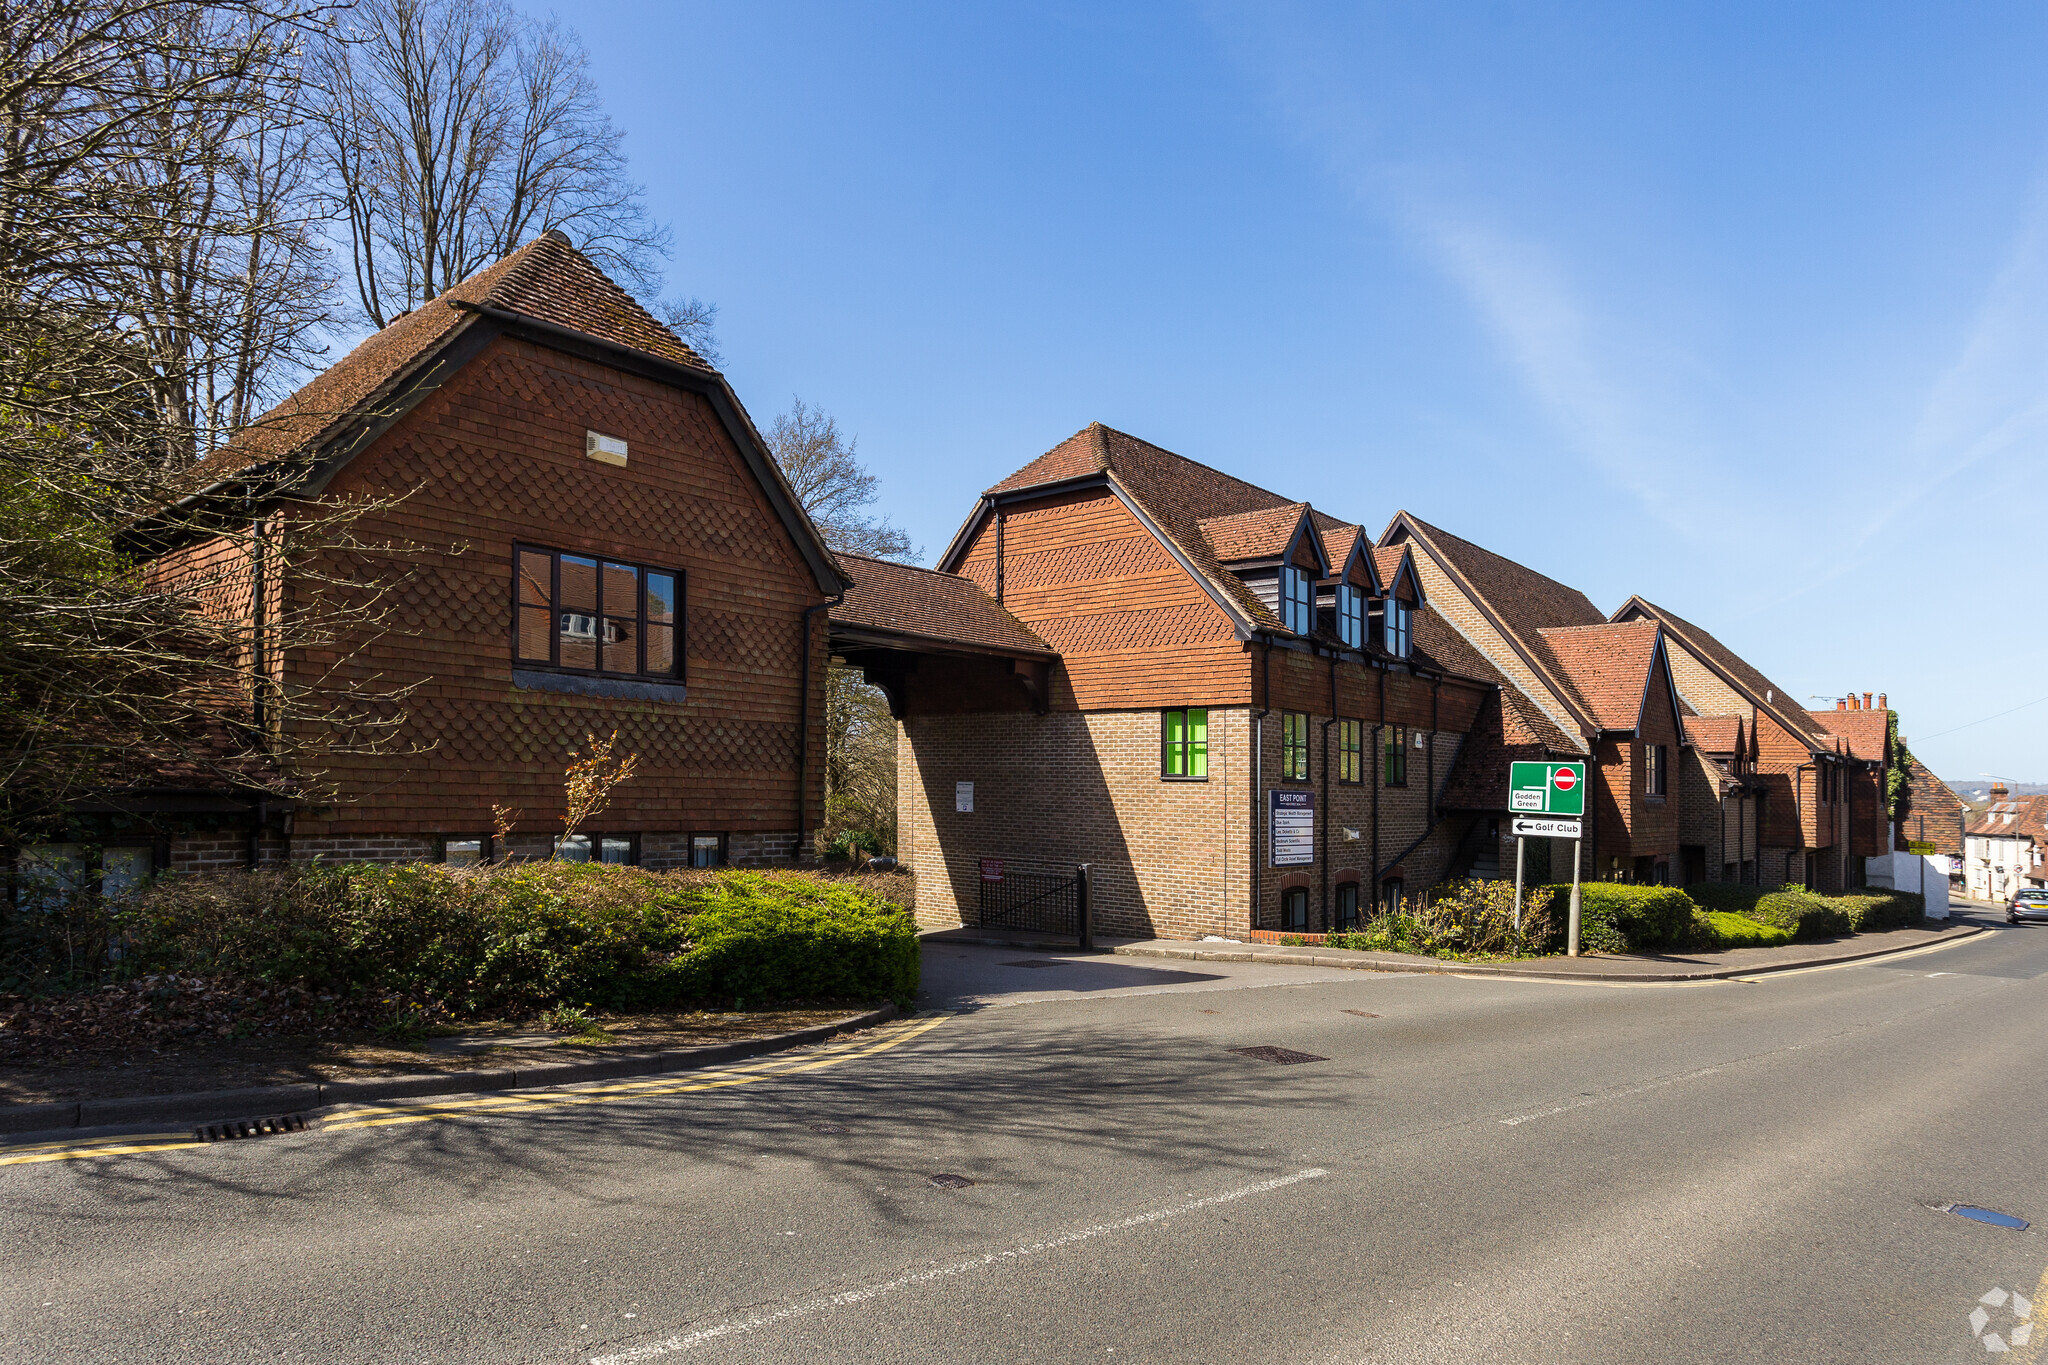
x: 963, y: 797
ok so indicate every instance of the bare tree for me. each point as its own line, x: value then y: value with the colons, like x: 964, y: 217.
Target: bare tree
x: 452, y: 131
x: 824, y: 469
x: 151, y: 291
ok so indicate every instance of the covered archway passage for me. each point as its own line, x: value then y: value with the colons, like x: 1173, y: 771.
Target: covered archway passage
x: 936, y: 644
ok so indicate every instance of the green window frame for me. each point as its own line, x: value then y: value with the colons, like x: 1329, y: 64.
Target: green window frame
x: 1294, y: 746
x: 1184, y: 744
x: 1396, y: 760
x: 1351, y: 751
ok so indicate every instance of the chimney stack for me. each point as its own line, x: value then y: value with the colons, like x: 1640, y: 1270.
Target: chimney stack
x: 1883, y: 702
x: 1997, y: 790
x: 1866, y: 701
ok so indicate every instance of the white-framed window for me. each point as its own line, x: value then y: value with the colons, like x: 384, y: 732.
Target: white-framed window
x: 1400, y: 627
x: 1297, y: 600
x: 1351, y: 616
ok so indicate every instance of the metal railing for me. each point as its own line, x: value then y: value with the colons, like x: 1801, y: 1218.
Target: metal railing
x: 1047, y: 903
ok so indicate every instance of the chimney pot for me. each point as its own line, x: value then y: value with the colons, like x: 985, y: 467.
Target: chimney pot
x: 1866, y: 701
x: 1841, y: 703
x: 1854, y: 705
x: 1883, y: 702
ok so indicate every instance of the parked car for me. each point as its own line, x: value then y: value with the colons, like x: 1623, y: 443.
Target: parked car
x: 2029, y: 903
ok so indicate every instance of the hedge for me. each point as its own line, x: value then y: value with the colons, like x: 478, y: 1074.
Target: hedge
x: 1619, y: 917
x: 1716, y: 929
x: 477, y: 941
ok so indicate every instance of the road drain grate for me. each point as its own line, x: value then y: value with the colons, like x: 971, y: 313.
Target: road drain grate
x: 947, y: 1181
x: 250, y: 1128
x: 1280, y: 1056
x: 1991, y: 1216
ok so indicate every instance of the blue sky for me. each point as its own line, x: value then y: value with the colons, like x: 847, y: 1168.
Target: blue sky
x: 1742, y: 308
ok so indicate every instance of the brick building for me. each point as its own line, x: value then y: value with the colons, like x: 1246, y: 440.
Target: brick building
x: 2005, y: 848
x: 595, y: 539
x: 1811, y: 791
x: 1574, y: 687
x: 1134, y: 661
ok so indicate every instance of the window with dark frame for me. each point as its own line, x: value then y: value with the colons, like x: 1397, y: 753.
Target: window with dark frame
x: 1347, y: 905
x: 1297, y: 601
x: 1351, y: 616
x: 586, y: 614
x: 1399, y: 627
x: 621, y: 850
x: 1294, y: 908
x: 1396, y: 774
x: 1351, y: 751
x: 466, y: 850
x: 1184, y: 744
x: 1294, y: 746
x: 707, y: 850
x: 1653, y: 769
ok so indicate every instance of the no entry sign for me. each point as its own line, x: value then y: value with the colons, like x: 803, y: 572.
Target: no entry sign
x: 1547, y: 788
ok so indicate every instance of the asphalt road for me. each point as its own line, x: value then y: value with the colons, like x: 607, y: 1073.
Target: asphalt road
x: 1478, y: 1170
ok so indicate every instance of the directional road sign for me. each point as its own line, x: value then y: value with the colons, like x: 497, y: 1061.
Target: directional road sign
x: 1540, y: 827
x: 1547, y: 788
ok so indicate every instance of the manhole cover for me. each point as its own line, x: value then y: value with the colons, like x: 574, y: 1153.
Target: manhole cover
x: 1032, y: 962
x: 1991, y: 1216
x: 1283, y: 1056
x: 1363, y: 1014
x: 951, y: 1182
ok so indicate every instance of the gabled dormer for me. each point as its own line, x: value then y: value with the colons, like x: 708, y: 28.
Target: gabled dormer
x: 1344, y: 601
x: 1400, y: 598
x: 1277, y: 553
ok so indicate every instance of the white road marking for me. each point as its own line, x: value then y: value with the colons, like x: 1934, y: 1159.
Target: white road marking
x: 1519, y: 1119
x: 685, y: 1341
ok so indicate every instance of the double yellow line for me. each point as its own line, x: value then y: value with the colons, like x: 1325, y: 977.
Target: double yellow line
x: 383, y: 1116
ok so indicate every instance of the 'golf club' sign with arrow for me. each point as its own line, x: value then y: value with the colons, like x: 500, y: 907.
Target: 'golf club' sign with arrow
x: 1547, y: 788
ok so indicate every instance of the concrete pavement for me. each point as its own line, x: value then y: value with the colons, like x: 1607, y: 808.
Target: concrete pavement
x: 1477, y: 1170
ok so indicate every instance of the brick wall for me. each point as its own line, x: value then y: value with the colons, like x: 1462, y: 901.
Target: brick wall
x: 495, y: 456
x: 1168, y: 859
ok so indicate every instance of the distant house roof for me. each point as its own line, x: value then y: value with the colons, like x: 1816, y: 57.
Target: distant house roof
x: 1608, y: 667
x: 902, y: 600
x: 2025, y: 817
x: 1868, y: 732
x: 1761, y: 692
x: 1714, y: 734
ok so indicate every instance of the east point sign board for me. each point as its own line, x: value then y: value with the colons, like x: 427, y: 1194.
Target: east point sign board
x: 1294, y: 828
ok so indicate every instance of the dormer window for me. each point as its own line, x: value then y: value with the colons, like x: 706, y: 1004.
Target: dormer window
x: 1351, y: 616
x: 1297, y: 600
x: 1400, y: 627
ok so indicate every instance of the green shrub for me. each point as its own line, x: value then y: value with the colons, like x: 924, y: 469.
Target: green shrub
x: 1460, y: 919
x: 1716, y: 929
x: 1874, y: 910
x: 1806, y: 914
x: 1734, y: 897
x: 1617, y: 917
x: 517, y: 938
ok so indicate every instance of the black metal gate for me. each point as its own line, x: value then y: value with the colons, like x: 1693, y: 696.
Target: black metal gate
x: 1046, y: 903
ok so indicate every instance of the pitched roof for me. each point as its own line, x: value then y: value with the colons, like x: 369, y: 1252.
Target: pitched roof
x: 1263, y: 534
x: 1868, y: 732
x: 2023, y: 818
x: 1342, y: 540
x: 1763, y: 694
x: 547, y: 279
x: 1524, y: 723
x: 1714, y: 734
x: 902, y: 599
x: 1608, y: 666
x: 1523, y: 602
x: 1175, y: 493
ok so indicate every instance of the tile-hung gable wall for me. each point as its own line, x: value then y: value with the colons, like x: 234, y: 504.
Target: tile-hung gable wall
x: 496, y: 458
x: 1133, y: 628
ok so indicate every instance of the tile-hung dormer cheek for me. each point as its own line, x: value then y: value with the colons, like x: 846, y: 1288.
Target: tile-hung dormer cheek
x: 1276, y: 553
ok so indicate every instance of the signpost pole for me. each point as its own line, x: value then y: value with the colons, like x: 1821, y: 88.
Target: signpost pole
x: 1571, y: 945
x: 1518, y: 884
